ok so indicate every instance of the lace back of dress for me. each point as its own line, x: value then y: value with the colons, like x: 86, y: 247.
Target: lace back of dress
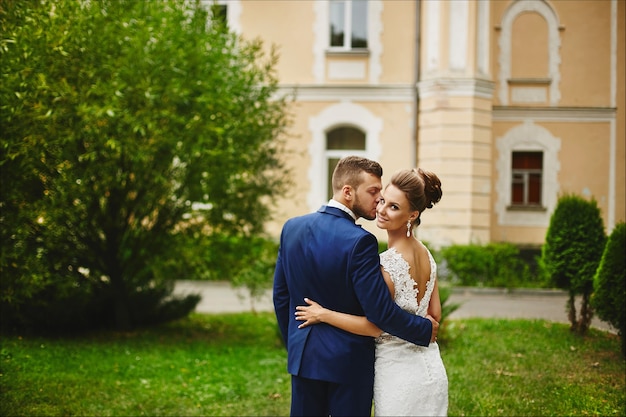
x: 405, y: 289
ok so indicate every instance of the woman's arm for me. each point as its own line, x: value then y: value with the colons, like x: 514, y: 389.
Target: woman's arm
x: 315, y: 313
x: 434, y: 308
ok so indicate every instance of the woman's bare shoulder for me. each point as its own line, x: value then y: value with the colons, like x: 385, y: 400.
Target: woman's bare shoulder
x: 422, y: 254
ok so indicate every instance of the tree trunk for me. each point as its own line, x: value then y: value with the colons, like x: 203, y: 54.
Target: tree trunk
x: 120, y: 304
x: 586, y: 313
x: 571, y: 305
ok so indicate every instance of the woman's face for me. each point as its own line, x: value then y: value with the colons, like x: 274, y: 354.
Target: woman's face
x: 393, y: 210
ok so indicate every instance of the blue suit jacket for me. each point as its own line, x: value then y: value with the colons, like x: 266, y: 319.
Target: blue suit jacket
x: 325, y: 256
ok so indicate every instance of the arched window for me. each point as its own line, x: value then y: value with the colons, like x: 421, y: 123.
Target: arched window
x: 340, y: 142
x: 339, y: 130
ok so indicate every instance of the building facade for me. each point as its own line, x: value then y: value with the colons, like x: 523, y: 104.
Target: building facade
x: 511, y: 103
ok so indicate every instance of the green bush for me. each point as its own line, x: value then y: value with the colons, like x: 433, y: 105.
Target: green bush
x: 118, y: 117
x: 491, y: 265
x: 57, y: 310
x: 571, y: 253
x: 447, y: 308
x: 256, y: 272
x: 609, y: 297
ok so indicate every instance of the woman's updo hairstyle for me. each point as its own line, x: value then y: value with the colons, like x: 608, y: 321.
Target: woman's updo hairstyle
x: 422, y: 188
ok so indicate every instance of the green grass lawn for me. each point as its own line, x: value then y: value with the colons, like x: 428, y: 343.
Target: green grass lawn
x: 234, y: 364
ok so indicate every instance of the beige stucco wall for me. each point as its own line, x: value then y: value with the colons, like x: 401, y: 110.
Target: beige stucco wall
x: 457, y: 134
x: 585, y: 52
x: 583, y: 170
x: 587, y: 64
x: 530, y: 29
x: 287, y: 25
x: 584, y: 49
x: 398, y: 42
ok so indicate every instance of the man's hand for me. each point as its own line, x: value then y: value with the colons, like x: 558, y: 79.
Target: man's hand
x: 433, y: 336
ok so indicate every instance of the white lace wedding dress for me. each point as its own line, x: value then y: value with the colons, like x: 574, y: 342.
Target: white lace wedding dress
x: 409, y: 380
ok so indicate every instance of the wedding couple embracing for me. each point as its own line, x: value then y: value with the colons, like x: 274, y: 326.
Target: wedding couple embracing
x: 358, y: 325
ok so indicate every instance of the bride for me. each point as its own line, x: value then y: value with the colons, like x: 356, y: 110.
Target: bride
x: 409, y: 380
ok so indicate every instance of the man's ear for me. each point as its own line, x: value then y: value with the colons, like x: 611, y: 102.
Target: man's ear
x: 347, y: 192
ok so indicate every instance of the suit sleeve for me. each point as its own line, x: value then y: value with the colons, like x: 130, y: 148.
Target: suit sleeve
x: 281, y: 297
x: 374, y: 297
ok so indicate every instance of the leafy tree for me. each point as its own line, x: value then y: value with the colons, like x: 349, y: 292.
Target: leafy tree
x: 257, y: 274
x: 572, y: 251
x: 135, y: 135
x: 609, y: 296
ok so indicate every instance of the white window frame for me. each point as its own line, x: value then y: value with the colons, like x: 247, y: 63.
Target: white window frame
x: 340, y: 153
x: 233, y: 12
x: 527, y: 137
x: 347, y: 21
x: 321, y: 40
x: 525, y: 175
x: 332, y: 117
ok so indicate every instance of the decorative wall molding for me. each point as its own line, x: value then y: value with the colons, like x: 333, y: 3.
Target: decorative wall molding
x: 483, y: 44
x: 378, y: 93
x: 456, y: 87
x: 346, y: 70
x: 375, y: 41
x: 561, y: 114
x: 233, y: 15
x: 458, y: 35
x: 554, y: 43
x: 527, y: 137
x: 529, y: 95
x: 321, y: 40
x: 432, y: 40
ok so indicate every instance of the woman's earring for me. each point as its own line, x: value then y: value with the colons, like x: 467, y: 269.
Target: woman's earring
x: 408, y: 228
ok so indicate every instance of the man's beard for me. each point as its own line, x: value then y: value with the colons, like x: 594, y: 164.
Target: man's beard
x: 359, y: 211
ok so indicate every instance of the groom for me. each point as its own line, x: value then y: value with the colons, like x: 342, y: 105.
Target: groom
x: 327, y: 257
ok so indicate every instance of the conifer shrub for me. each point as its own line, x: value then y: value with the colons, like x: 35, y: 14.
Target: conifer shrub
x: 572, y: 251
x: 609, y: 296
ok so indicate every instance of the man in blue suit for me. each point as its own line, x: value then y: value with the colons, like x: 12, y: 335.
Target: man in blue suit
x: 325, y: 256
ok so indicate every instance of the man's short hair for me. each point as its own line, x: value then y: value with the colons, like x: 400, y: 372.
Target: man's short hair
x: 348, y: 171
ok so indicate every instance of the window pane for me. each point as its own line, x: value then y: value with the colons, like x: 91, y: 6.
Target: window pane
x: 220, y: 13
x: 517, y: 189
x: 332, y: 163
x: 337, y: 23
x: 527, y: 160
x: 359, y: 24
x: 526, y: 180
x: 534, y: 189
x: 345, y: 138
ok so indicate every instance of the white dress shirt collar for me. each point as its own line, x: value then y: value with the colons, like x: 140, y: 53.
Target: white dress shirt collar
x: 337, y: 204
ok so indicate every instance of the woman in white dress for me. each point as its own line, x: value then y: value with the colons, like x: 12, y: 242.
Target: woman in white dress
x: 409, y: 380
